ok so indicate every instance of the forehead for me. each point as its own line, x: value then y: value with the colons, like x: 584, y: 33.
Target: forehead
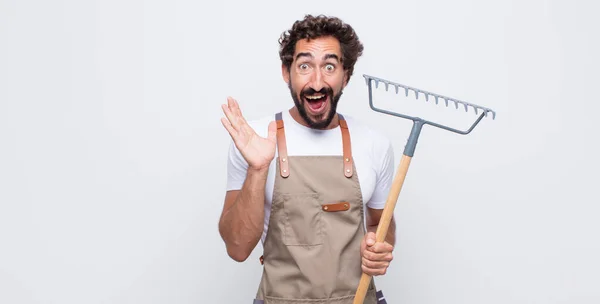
x: 319, y: 47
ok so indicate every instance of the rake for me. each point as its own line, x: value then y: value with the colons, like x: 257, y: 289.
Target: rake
x: 408, y: 153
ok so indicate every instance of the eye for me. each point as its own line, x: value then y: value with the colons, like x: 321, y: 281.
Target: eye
x: 303, y: 66
x: 330, y: 67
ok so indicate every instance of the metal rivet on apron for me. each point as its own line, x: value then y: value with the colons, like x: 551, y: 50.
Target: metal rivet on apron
x: 345, y: 205
x: 284, y: 170
x: 325, y: 208
x: 283, y: 159
x: 348, y: 170
x: 347, y: 159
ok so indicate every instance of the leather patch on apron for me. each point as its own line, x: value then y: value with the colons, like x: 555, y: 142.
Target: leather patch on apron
x: 341, y: 206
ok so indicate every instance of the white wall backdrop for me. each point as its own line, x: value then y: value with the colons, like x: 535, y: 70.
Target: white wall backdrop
x: 113, y: 159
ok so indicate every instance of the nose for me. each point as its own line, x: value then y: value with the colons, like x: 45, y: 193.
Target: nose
x: 316, y: 82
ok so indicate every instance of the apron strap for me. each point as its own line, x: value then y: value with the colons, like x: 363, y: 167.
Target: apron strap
x: 347, y: 147
x: 281, y: 147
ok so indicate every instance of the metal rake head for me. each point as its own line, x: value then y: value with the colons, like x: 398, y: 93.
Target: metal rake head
x: 447, y: 100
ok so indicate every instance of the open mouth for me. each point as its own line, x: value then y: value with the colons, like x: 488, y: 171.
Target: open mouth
x: 316, y: 102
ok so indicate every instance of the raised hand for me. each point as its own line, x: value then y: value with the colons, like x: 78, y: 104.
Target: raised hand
x: 258, y: 151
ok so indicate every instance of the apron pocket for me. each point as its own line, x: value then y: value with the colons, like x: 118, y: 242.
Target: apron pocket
x: 302, y: 219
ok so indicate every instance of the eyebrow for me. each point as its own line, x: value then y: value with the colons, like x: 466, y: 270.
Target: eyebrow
x: 334, y: 56
x: 328, y: 56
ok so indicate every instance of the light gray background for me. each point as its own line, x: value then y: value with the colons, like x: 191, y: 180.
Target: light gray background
x: 113, y: 159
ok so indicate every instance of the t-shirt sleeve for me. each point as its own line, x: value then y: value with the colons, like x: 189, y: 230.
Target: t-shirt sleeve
x: 236, y: 168
x: 385, y: 175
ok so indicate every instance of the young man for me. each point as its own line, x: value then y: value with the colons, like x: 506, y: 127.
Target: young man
x: 307, y: 184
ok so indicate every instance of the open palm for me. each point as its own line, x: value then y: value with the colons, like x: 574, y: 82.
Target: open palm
x: 256, y: 150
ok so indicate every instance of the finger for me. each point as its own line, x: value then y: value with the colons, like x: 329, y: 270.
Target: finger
x: 380, y: 247
x: 242, y: 120
x: 234, y: 106
x: 230, y: 116
x: 375, y: 264
x: 373, y: 256
x: 228, y: 127
x: 373, y: 272
x: 370, y: 238
x: 272, y: 131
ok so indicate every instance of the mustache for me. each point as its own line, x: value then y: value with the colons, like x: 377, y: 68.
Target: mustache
x: 324, y: 91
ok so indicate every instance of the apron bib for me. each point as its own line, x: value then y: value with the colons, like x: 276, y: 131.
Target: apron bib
x: 312, y: 246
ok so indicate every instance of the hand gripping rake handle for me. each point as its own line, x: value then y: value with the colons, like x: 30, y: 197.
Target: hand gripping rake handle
x: 409, y: 150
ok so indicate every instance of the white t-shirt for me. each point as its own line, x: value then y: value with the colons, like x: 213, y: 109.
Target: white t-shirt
x: 372, y: 153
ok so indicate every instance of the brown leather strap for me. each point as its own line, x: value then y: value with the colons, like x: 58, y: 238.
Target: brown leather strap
x: 341, y: 206
x: 281, y: 147
x: 346, y: 146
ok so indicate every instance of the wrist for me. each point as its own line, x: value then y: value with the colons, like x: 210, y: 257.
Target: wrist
x: 258, y: 171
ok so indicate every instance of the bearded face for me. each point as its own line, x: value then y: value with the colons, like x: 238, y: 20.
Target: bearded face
x: 316, y: 79
x: 317, y: 108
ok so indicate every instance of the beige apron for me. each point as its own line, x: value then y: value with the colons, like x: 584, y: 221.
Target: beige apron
x: 312, y: 248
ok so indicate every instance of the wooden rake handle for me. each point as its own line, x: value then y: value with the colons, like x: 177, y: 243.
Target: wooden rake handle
x: 384, y: 222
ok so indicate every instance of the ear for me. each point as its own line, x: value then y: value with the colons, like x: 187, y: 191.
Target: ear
x: 345, y: 79
x: 285, y: 73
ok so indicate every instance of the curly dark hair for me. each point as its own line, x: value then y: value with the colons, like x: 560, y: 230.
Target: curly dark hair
x: 317, y: 26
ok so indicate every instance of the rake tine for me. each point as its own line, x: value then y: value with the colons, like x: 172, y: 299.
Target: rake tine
x: 446, y: 99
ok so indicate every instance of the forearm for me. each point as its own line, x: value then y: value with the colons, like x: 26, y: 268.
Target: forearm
x: 241, y: 224
x: 391, y: 232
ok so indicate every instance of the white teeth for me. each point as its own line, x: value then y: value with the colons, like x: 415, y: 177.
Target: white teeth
x: 314, y: 97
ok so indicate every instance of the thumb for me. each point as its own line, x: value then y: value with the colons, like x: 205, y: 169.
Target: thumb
x: 272, y: 131
x: 370, y: 238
